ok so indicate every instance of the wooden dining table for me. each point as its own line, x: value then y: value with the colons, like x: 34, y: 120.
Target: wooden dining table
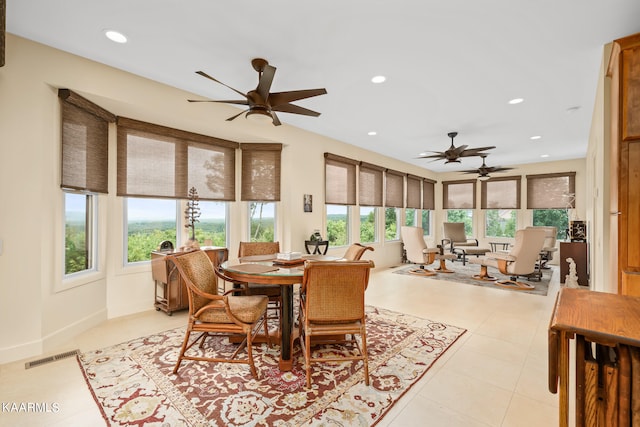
x: 267, y: 270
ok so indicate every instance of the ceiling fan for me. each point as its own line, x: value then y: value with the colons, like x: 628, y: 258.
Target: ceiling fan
x: 484, y: 170
x: 453, y: 154
x: 263, y: 104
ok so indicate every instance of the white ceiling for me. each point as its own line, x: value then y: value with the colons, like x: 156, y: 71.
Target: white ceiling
x: 450, y: 65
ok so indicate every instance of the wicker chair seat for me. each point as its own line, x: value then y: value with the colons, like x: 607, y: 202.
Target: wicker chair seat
x: 247, y: 309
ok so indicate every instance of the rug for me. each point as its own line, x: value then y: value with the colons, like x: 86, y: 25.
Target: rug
x: 132, y: 382
x: 464, y: 274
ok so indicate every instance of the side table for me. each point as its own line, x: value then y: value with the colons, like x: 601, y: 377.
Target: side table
x: 317, y: 246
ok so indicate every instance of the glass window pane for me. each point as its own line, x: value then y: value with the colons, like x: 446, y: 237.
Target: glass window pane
x: 391, y: 229
x: 262, y: 216
x: 558, y: 218
x: 212, y: 228
x: 410, y: 217
x: 78, y: 232
x: 149, y: 222
x: 500, y: 223
x: 426, y: 222
x: 462, y: 215
x: 337, y: 225
x: 368, y: 224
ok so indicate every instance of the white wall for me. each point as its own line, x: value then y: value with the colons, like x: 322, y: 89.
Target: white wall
x: 37, y: 308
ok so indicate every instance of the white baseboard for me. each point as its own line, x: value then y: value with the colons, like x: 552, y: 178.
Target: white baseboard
x: 51, y: 341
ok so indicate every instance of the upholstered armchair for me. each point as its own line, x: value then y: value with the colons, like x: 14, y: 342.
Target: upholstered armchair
x: 519, y: 261
x: 214, y: 313
x: 456, y: 240
x: 332, y: 311
x: 419, y: 253
x: 549, y: 248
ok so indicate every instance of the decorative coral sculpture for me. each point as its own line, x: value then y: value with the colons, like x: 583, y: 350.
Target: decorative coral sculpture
x: 192, y: 213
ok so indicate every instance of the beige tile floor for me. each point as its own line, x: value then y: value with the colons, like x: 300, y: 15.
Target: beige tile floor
x: 495, y: 375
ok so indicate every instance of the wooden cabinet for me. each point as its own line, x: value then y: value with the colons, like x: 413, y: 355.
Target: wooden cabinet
x: 624, y: 71
x: 580, y: 254
x: 170, y: 291
x: 606, y: 330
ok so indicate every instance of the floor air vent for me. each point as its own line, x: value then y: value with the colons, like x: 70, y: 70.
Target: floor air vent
x: 50, y: 359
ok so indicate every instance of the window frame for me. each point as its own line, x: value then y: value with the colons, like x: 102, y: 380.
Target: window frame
x: 91, y: 234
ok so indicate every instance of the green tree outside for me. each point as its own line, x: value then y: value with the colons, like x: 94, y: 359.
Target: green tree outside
x: 500, y: 222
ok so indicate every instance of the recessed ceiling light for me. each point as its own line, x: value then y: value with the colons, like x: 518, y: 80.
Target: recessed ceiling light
x: 372, y: 133
x: 516, y: 101
x: 378, y: 79
x: 115, y: 36
x: 534, y: 137
x: 544, y: 156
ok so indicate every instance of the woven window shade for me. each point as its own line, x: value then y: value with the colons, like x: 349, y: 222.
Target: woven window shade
x: 340, y: 180
x: 500, y: 193
x: 414, y: 192
x: 161, y: 162
x: 85, y: 143
x: 370, y: 185
x: 428, y: 194
x: 261, y: 172
x: 394, y: 182
x: 551, y: 191
x: 459, y: 194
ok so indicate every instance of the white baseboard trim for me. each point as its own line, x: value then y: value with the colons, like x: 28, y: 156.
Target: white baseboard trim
x: 53, y: 340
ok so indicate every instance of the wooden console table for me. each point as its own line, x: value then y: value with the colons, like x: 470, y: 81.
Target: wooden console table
x: 607, y: 381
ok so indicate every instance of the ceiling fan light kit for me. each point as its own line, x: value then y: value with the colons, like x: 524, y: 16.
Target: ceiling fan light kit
x: 263, y: 104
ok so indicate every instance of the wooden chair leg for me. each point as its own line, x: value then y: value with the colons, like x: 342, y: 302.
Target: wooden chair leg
x: 365, y: 362
x: 484, y: 274
x: 182, y: 350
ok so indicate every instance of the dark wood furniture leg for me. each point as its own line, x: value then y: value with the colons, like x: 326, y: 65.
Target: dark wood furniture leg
x: 286, y: 328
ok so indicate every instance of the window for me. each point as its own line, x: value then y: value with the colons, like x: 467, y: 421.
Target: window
x: 84, y: 172
x: 500, y: 223
x: 414, y: 200
x: 340, y: 193
x: 370, y: 193
x: 161, y: 162
x: 551, y: 196
x: 459, y: 198
x: 411, y: 217
x: 368, y: 221
x: 394, y: 200
x: 426, y: 222
x: 337, y: 225
x: 462, y: 215
x: 213, y: 224
x: 391, y: 218
x: 79, y: 225
x: 262, y: 225
x: 428, y: 204
x: 500, y: 197
x: 149, y: 222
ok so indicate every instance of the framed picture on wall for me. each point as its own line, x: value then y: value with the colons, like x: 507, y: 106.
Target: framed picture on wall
x: 308, y: 203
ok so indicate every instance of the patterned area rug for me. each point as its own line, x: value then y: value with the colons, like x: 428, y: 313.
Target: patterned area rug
x: 132, y: 382
x: 464, y: 274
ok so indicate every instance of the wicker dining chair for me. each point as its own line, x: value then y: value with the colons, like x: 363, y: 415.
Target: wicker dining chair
x: 212, y: 313
x: 355, y: 252
x: 250, y: 249
x: 332, y: 311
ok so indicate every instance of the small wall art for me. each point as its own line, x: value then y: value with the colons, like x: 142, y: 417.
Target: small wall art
x: 308, y: 203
